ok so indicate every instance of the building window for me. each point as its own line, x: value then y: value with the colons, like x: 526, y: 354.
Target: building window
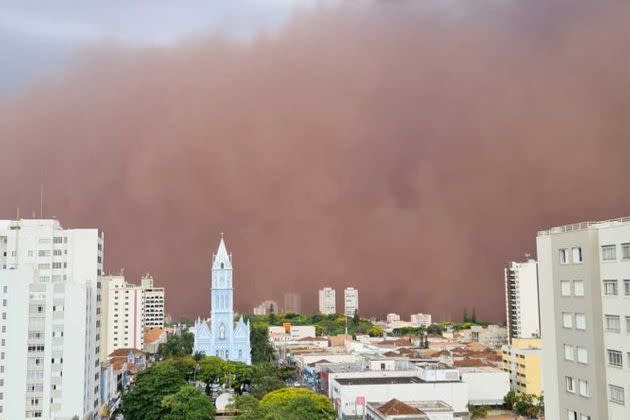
x: 570, y: 384
x: 610, y: 288
x: 625, y: 251
x: 617, y: 394
x: 609, y: 252
x: 583, y: 388
x: 569, y: 352
x: 628, y: 324
x: 572, y: 415
x: 626, y: 287
x: 567, y: 320
x: 613, y: 323
x: 577, y: 255
x: 578, y: 287
x: 615, y: 358
x: 582, y: 355
x: 580, y: 321
x: 565, y: 288
x: 564, y: 256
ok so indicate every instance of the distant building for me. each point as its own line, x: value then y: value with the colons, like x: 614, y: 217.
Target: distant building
x: 223, y: 337
x: 584, y: 275
x: 50, y: 287
x: 420, y: 320
x: 492, y: 336
x: 351, y: 301
x: 292, y: 303
x: 327, y: 301
x: 392, y: 317
x: 153, y: 338
x: 416, y: 410
x: 522, y: 360
x: 153, y: 303
x: 521, y: 299
x: 122, y: 315
x: 266, y: 307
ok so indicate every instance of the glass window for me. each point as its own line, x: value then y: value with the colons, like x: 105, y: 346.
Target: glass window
x: 610, y: 288
x: 564, y: 256
x: 628, y: 324
x: 613, y: 323
x: 572, y: 415
x: 580, y: 321
x: 625, y: 251
x: 617, y: 394
x: 567, y: 320
x: 585, y: 417
x: 583, y: 388
x: 570, y: 383
x: 578, y: 288
x: 615, y: 358
x: 577, y: 255
x: 565, y: 287
x: 609, y: 252
x: 626, y: 287
x: 582, y: 354
x: 569, y: 352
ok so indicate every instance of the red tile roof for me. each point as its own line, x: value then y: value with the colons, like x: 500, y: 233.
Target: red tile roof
x: 394, y: 406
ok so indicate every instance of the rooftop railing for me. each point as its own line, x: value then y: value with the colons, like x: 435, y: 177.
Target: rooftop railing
x: 581, y: 226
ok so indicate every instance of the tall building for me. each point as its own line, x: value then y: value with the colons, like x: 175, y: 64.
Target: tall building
x: 522, y: 360
x: 122, y: 315
x: 350, y: 301
x: 153, y: 303
x: 224, y: 337
x: 584, y: 304
x: 266, y: 307
x: 50, y: 281
x: 521, y: 299
x: 292, y: 303
x: 392, y: 317
x: 327, y: 301
x: 420, y: 319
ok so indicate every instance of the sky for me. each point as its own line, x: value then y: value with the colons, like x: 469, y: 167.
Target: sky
x: 408, y: 149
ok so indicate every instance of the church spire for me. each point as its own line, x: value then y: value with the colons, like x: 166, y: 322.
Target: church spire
x: 222, y: 260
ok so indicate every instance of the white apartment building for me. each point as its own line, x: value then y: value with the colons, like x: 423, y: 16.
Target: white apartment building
x: 122, y: 315
x: 350, y: 301
x: 521, y: 299
x: 50, y: 322
x: 153, y: 303
x: 584, y: 275
x: 266, y: 307
x: 327, y: 301
x: 420, y: 319
x: 392, y: 317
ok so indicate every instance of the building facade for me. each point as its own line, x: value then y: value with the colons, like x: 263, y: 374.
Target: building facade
x: 392, y: 317
x: 122, y: 315
x: 266, y: 307
x: 350, y: 301
x: 522, y: 360
x: 153, y: 303
x: 521, y: 299
x: 585, y: 313
x: 223, y: 337
x: 292, y: 303
x: 327, y: 301
x: 420, y: 320
x: 50, y: 279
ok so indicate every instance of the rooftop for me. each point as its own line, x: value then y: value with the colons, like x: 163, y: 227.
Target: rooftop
x: 397, y: 407
x: 585, y: 226
x: 390, y: 380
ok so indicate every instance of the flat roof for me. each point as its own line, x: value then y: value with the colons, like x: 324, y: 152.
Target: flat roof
x: 585, y: 225
x: 383, y: 380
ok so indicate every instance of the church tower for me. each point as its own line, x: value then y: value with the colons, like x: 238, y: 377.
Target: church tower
x: 222, y: 336
x: 222, y: 310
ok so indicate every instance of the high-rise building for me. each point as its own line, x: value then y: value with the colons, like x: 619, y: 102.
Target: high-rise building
x: 521, y: 299
x: 50, y: 281
x: 153, y: 303
x: 350, y: 301
x: 522, y: 360
x: 584, y: 305
x: 122, y: 315
x: 327, y: 301
x: 266, y: 307
x: 292, y: 303
x: 421, y: 320
x: 392, y: 317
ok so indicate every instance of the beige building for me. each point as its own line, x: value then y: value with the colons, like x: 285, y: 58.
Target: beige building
x: 327, y: 301
x: 153, y: 303
x: 584, y: 275
x: 522, y: 360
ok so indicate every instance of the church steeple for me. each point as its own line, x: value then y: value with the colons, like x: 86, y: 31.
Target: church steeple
x: 222, y: 260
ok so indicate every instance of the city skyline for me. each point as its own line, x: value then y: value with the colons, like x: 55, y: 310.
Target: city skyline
x: 380, y: 157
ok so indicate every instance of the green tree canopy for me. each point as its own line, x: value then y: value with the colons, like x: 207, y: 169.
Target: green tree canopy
x: 285, y: 404
x: 177, y: 346
x: 189, y: 403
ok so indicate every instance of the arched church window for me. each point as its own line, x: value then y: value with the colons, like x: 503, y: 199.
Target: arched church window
x: 221, y: 332
x: 222, y: 265
x: 240, y: 354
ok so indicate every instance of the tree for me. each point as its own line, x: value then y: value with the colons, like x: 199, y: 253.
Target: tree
x: 285, y: 403
x: 375, y: 331
x: 262, y: 351
x: 355, y: 318
x: 477, y: 411
x: 465, y: 315
x: 177, y: 346
x: 189, y: 403
x: 144, y: 400
x: 435, y: 329
x: 473, y: 319
x: 509, y: 399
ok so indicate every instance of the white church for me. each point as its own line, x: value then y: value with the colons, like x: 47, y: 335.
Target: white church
x: 221, y: 336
